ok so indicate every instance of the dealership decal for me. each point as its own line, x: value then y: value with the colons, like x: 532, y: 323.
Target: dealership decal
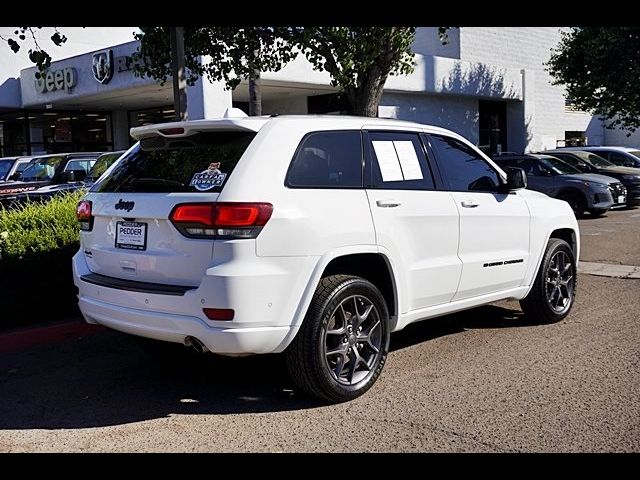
x: 208, y: 179
x: 506, y: 262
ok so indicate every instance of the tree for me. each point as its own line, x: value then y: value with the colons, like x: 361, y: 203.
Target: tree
x: 230, y: 54
x: 600, y: 69
x: 359, y: 59
x: 37, y: 55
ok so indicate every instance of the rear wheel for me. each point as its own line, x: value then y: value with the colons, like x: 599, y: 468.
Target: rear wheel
x: 343, y: 342
x: 576, y: 201
x: 554, y: 289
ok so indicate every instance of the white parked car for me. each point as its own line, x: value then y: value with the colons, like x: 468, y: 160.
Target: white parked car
x: 316, y: 236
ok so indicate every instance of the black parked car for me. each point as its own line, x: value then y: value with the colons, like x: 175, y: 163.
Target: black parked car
x: 45, y: 170
x: 43, y: 194
x: 589, y: 162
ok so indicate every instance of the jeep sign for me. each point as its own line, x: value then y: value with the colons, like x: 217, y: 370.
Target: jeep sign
x: 64, y: 79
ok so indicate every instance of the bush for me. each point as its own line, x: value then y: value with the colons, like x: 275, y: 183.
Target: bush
x: 37, y: 241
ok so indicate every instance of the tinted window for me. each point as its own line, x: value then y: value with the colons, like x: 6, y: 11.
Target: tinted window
x: 463, y: 168
x: 398, y: 161
x: 620, y: 159
x: 558, y: 166
x: 5, y: 166
x: 80, y: 164
x: 41, y: 169
x: 198, y: 163
x: 327, y: 160
x: 101, y: 165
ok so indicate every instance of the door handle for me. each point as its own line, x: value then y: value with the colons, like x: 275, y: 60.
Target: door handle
x: 469, y: 203
x: 388, y: 203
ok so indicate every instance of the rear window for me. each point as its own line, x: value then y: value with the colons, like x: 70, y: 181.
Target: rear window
x: 199, y: 163
x: 41, y: 169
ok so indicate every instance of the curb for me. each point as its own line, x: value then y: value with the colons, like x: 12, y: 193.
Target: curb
x: 31, y: 337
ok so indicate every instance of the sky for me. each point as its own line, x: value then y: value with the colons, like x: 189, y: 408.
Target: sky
x: 80, y: 40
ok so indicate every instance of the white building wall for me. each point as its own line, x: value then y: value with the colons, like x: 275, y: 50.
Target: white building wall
x: 618, y: 137
x: 529, y: 48
x: 456, y: 113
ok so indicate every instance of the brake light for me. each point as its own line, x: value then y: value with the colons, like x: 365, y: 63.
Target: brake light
x: 172, y: 131
x: 221, y: 220
x: 84, y: 216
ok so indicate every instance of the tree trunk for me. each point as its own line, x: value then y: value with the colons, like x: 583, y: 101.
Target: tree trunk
x: 255, y: 94
x: 365, y: 98
x: 178, y: 72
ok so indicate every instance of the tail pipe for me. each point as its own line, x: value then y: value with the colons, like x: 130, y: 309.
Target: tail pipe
x: 196, y: 344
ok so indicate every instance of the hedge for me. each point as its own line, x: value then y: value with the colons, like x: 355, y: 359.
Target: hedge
x: 37, y: 241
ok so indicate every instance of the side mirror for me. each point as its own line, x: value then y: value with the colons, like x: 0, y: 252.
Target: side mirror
x: 15, y: 176
x: 75, y: 175
x: 584, y: 167
x: 516, y: 179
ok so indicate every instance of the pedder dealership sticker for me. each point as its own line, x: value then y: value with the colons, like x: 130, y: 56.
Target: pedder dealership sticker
x: 208, y: 179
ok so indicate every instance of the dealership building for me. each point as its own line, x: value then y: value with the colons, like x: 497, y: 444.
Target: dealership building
x: 487, y: 83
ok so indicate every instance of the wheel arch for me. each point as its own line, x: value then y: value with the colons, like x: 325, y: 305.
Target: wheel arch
x: 573, y: 190
x: 363, y: 261
x: 567, y: 233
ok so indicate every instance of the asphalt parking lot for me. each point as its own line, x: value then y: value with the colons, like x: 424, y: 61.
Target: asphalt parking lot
x: 482, y: 380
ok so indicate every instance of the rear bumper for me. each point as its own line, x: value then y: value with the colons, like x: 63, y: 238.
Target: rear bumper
x: 263, y: 292
x: 175, y: 328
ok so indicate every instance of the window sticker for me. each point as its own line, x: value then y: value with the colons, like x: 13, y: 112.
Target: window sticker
x: 387, y: 161
x: 209, y: 178
x: 408, y: 160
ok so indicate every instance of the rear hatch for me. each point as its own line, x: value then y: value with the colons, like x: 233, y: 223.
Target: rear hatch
x: 131, y: 236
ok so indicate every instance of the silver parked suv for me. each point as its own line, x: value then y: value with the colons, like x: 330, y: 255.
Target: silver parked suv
x: 582, y: 191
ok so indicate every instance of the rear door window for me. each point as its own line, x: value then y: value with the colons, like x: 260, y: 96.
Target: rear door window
x: 397, y: 161
x: 199, y: 163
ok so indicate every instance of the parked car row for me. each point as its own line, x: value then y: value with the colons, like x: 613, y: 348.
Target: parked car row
x: 41, y: 177
x: 584, y: 179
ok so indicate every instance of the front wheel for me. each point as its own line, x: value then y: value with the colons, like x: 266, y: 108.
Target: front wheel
x: 577, y: 203
x: 343, y: 342
x: 554, y: 289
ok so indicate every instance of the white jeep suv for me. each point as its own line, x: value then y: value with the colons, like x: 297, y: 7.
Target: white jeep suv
x: 316, y: 236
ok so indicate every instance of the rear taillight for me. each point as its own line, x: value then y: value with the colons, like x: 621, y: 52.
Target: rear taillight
x: 223, y: 314
x: 83, y: 214
x: 221, y: 220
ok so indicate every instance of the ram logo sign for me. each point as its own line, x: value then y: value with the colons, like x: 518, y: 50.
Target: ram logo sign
x: 102, y: 66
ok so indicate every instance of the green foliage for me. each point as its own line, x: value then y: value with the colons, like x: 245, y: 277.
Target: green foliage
x: 37, y: 242
x: 599, y: 67
x: 231, y: 53
x: 359, y: 59
x: 39, y: 227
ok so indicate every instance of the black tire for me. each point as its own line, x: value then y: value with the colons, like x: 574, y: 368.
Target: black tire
x: 538, y: 304
x: 313, y: 368
x: 598, y: 212
x: 576, y: 201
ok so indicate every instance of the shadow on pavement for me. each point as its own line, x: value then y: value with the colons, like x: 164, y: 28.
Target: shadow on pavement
x: 106, y: 379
